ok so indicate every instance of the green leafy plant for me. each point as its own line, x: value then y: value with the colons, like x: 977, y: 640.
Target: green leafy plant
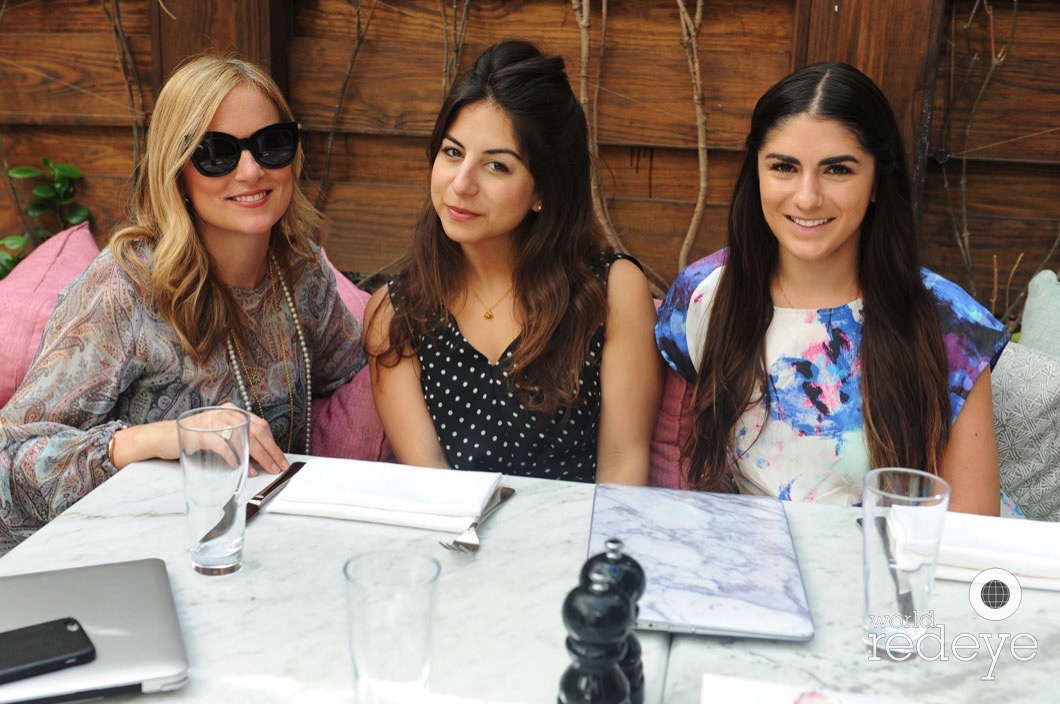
x: 53, y: 196
x: 53, y: 202
x: 12, y: 250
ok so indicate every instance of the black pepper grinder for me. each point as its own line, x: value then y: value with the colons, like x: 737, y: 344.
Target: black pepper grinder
x: 623, y: 573
x: 598, y: 619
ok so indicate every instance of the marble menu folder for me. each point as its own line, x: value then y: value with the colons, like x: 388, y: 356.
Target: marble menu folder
x: 716, y: 564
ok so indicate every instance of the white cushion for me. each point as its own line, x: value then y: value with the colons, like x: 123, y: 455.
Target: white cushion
x: 1026, y: 390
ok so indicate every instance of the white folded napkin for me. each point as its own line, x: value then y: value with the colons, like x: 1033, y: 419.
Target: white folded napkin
x: 912, y: 532
x: 378, y: 492
x: 1027, y: 549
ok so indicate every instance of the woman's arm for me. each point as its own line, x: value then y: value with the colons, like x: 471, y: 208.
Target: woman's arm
x: 631, y: 377
x: 398, y: 396
x: 55, y: 429
x: 970, y: 463
x: 159, y: 440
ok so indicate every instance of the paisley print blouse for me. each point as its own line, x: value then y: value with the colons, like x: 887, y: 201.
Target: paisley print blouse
x: 108, y: 359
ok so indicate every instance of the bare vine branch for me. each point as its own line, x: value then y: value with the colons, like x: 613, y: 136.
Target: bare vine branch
x: 1023, y: 292
x: 962, y: 230
x: 993, y: 290
x: 582, y: 14
x: 590, y: 106
x: 1008, y: 281
x: 690, y: 27
x: 134, y: 89
x: 603, y: 212
x: 996, y: 60
x: 166, y: 10
x: 959, y: 213
x: 361, y: 32
x: 454, y: 36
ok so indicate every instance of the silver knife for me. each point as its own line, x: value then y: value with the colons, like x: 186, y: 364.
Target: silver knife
x: 258, y: 501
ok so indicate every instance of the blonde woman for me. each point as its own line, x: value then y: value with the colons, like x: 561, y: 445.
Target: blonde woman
x: 214, y: 293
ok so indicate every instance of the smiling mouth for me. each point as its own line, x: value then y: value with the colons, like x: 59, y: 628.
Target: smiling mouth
x: 809, y: 223
x: 460, y: 213
x: 251, y: 199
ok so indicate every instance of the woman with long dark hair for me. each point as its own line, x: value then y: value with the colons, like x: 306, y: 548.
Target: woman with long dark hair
x: 817, y: 345
x: 512, y: 338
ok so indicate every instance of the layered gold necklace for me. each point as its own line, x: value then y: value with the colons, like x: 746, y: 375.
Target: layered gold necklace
x: 239, y: 365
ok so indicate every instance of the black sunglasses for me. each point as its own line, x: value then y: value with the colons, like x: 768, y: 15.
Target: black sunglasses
x: 273, y: 146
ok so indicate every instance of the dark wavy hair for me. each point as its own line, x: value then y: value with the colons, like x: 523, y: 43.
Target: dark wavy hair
x: 559, y: 300
x: 904, y: 389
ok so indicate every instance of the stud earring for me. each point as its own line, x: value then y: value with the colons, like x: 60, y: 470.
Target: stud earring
x: 537, y: 208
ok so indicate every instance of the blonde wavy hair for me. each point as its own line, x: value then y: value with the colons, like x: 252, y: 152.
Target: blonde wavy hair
x: 179, y: 278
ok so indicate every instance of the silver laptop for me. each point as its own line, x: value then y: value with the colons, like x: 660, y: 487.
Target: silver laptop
x: 716, y: 564
x: 125, y: 608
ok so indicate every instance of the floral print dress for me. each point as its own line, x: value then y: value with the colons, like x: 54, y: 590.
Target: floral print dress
x: 810, y: 444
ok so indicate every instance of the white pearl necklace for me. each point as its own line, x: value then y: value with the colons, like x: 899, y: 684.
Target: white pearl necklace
x: 241, y: 383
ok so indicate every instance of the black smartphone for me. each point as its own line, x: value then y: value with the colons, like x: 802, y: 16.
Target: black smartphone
x: 43, y: 647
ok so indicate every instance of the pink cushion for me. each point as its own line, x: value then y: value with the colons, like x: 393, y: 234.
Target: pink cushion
x: 666, y: 468
x: 346, y: 424
x: 30, y: 291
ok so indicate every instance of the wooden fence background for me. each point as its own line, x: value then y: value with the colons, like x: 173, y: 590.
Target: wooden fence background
x: 77, y: 80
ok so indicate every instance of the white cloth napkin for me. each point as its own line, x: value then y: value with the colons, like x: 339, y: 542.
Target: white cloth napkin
x: 378, y: 492
x: 1027, y: 549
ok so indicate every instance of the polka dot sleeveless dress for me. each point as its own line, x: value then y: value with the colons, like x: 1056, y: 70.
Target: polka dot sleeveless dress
x: 482, y: 425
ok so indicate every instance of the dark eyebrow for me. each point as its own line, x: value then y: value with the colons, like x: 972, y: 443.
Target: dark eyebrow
x: 843, y: 158
x: 782, y: 157
x: 501, y: 150
x: 839, y: 160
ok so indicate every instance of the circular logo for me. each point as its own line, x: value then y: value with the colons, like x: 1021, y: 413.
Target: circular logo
x: 995, y: 594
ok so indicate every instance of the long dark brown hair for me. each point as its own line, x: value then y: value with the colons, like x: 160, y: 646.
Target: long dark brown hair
x: 559, y: 300
x: 904, y: 390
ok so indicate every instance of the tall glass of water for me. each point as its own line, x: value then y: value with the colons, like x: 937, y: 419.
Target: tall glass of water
x: 214, y: 457
x: 903, y: 511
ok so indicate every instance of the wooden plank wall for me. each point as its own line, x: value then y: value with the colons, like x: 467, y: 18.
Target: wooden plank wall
x: 646, y: 116
x: 63, y: 95
x: 1012, y: 149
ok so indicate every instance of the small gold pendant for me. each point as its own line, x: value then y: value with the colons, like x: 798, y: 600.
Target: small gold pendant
x: 488, y: 315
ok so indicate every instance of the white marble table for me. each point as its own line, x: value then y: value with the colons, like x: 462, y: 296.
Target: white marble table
x: 276, y: 630
x: 829, y: 545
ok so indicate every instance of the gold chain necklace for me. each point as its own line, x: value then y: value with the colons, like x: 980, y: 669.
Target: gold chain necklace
x: 780, y: 287
x: 242, y: 386
x: 782, y: 293
x: 488, y: 314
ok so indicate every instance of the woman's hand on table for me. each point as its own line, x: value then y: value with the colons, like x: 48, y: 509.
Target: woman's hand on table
x: 159, y: 440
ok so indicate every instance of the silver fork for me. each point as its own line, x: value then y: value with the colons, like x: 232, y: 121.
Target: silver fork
x: 468, y: 541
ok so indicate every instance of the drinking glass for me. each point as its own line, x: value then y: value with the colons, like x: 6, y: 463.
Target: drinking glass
x: 903, y: 511
x: 390, y: 597
x: 214, y: 456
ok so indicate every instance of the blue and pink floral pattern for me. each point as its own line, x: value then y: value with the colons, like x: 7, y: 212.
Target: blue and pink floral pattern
x: 811, y: 446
